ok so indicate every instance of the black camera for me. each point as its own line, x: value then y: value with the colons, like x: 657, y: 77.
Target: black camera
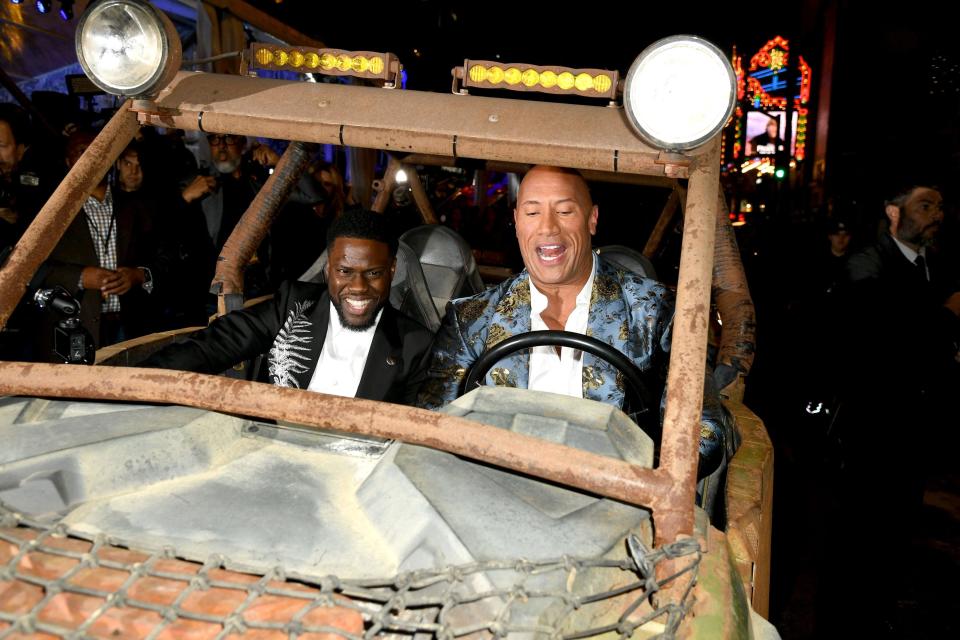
x: 71, y: 341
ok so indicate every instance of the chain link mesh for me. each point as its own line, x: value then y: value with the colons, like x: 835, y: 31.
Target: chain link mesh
x: 55, y: 585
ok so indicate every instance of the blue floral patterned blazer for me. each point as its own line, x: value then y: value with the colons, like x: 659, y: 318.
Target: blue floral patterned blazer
x: 627, y: 311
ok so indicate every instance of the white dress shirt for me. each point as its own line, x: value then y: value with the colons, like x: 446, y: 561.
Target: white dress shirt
x: 911, y: 255
x: 342, y: 358
x: 563, y: 374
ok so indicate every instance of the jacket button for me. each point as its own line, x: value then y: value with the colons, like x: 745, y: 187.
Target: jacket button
x: 391, y: 361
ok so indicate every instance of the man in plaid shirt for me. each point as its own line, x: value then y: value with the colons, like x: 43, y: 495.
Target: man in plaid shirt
x: 103, y: 259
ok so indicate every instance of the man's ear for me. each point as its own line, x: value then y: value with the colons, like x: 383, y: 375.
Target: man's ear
x: 515, y: 214
x: 594, y: 215
x: 393, y: 268
x: 893, y: 215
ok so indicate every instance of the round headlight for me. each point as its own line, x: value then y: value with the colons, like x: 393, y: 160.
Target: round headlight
x: 127, y: 47
x: 679, y: 92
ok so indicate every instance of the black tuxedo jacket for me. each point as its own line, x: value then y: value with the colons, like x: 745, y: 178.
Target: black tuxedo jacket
x: 290, y: 330
x: 903, y: 338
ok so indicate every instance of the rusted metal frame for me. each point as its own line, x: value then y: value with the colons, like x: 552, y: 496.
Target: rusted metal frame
x: 43, y: 234
x: 526, y: 454
x: 731, y: 294
x: 749, y: 506
x: 130, y: 352
x: 420, y: 196
x: 386, y: 185
x: 688, y: 352
x: 663, y: 222
x: 497, y: 129
x: 520, y: 168
x: 253, y: 226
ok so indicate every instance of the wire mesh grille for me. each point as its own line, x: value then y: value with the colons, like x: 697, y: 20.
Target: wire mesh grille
x: 55, y: 585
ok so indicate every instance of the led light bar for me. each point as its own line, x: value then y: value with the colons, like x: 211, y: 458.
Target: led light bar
x: 373, y: 65
x: 489, y: 74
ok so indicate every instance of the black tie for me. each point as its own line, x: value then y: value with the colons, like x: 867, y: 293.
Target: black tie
x: 922, y: 265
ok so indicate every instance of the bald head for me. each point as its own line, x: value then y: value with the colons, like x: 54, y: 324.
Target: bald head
x: 560, y: 175
x: 555, y: 218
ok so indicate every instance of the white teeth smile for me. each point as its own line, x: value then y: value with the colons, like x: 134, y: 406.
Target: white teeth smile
x: 551, y: 252
x: 357, y: 306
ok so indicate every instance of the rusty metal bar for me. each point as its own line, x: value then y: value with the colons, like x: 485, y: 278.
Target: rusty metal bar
x: 749, y: 506
x: 387, y: 185
x: 570, y: 135
x: 420, y: 196
x: 253, y: 226
x: 688, y: 353
x: 48, y: 227
x: 738, y: 339
x: 663, y: 222
x: 521, y: 168
x: 554, y: 462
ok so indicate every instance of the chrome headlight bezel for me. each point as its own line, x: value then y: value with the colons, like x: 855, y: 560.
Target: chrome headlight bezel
x: 721, y: 81
x: 168, y: 51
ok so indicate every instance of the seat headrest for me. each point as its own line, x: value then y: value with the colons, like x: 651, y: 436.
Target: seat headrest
x: 628, y: 259
x: 447, y: 261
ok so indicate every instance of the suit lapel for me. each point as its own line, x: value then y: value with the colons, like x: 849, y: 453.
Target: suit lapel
x: 320, y: 317
x: 296, y: 349
x: 124, y: 216
x: 511, y: 317
x: 384, y: 361
x: 607, y: 322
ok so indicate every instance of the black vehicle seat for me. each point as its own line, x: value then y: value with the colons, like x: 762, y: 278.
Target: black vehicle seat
x: 629, y: 260
x: 447, y: 263
x: 408, y: 293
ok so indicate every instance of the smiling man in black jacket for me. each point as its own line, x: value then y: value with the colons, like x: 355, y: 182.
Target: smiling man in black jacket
x: 343, y: 338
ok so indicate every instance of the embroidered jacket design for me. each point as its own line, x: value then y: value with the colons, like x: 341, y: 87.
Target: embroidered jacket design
x: 289, y: 354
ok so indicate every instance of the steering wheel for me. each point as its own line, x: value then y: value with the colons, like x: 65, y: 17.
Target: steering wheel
x: 642, y: 401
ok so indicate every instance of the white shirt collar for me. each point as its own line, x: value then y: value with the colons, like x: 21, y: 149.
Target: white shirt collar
x: 343, y: 357
x: 547, y: 371
x: 538, y: 301
x: 908, y: 252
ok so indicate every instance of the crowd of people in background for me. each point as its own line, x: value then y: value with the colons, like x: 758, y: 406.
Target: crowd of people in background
x: 871, y: 321
x: 140, y: 254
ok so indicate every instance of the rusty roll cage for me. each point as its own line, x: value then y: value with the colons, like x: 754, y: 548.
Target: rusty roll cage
x: 595, y: 139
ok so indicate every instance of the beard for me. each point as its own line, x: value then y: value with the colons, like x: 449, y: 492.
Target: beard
x: 227, y: 166
x: 913, y: 233
x: 365, y: 323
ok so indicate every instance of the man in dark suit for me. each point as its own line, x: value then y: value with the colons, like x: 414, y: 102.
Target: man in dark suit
x: 104, y: 259
x: 899, y: 377
x: 343, y: 339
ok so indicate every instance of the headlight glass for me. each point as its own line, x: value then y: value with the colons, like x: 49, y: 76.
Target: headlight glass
x: 680, y: 92
x: 124, y: 47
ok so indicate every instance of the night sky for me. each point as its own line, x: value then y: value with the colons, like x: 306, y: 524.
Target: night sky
x: 894, y: 73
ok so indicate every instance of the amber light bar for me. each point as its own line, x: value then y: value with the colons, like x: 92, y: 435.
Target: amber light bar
x: 373, y: 65
x: 489, y: 74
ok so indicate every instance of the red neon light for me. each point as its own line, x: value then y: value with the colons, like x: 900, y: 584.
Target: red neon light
x: 762, y: 57
x: 805, y: 81
x: 738, y: 69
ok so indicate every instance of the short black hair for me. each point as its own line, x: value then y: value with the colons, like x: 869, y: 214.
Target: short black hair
x: 905, y: 190
x: 17, y: 120
x: 363, y: 224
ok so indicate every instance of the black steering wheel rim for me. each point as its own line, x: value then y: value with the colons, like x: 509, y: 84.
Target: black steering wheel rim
x: 631, y: 373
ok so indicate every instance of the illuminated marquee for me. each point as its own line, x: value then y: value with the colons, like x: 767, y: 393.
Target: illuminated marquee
x: 774, y: 94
